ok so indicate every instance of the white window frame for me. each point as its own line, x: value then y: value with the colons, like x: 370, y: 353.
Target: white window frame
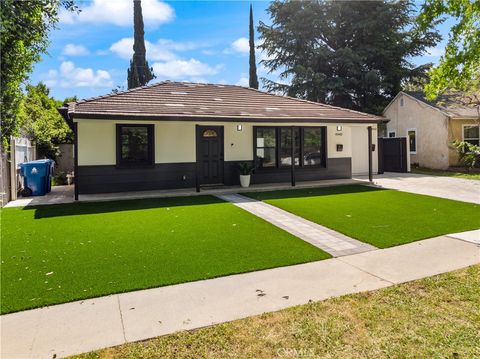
x: 394, y: 134
x: 470, y: 125
x: 416, y: 139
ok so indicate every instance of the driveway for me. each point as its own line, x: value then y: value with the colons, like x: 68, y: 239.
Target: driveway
x: 446, y: 187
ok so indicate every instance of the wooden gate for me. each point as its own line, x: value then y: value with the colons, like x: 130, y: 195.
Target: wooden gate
x: 392, y: 155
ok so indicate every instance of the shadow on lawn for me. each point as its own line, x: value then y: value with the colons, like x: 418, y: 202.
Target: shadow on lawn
x: 80, y: 208
x: 312, y: 192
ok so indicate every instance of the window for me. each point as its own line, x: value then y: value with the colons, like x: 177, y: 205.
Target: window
x: 273, y: 147
x: 286, y: 146
x: 312, y: 147
x: 412, y: 139
x: 134, y: 145
x: 392, y: 134
x: 471, y: 134
x: 266, y: 145
x: 209, y: 133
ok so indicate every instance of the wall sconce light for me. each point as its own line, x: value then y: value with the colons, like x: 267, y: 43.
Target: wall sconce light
x: 339, y: 128
x: 239, y: 127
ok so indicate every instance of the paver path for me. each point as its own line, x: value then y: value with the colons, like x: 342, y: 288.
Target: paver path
x: 86, y: 325
x: 330, y: 241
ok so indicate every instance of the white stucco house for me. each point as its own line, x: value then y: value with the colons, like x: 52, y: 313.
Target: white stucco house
x: 431, y: 127
x: 180, y: 135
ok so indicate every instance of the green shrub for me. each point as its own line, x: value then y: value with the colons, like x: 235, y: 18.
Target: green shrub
x: 468, y: 154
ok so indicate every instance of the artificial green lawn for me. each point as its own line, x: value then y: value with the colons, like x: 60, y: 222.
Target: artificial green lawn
x: 383, y: 218
x: 60, y: 253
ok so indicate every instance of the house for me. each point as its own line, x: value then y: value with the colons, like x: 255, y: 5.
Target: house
x: 432, y: 126
x: 180, y: 135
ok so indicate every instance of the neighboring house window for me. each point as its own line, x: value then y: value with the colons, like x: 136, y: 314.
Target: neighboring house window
x: 401, y: 102
x: 471, y: 134
x: 135, y: 145
x: 273, y: 146
x: 412, y: 138
x: 392, y: 134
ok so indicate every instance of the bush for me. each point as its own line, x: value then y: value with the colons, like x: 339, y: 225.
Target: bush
x: 468, y: 154
x: 59, y: 179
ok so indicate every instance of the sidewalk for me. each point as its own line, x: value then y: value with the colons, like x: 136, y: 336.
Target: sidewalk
x: 87, y: 325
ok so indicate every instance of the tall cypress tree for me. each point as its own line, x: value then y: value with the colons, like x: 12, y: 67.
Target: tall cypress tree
x: 139, y: 74
x: 253, y: 79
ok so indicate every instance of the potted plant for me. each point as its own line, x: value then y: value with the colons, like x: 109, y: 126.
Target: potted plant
x: 245, y: 173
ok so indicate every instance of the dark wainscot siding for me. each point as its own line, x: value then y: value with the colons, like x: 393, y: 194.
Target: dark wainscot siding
x: 105, y: 179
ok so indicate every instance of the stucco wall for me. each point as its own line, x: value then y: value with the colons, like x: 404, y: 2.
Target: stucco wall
x: 431, y: 126
x: 455, y: 132
x: 175, y: 141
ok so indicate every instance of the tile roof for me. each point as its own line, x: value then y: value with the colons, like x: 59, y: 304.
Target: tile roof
x: 449, y: 103
x: 186, y: 101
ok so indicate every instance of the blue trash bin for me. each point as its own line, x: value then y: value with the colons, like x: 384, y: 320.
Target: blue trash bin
x: 37, y: 176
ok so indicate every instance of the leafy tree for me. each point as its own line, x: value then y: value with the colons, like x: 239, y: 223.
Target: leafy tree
x: 139, y: 74
x: 41, y: 122
x: 24, y: 29
x: 253, y: 79
x: 351, y: 54
x: 459, y: 67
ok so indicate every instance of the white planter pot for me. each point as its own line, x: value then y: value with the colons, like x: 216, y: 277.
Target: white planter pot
x: 245, y: 180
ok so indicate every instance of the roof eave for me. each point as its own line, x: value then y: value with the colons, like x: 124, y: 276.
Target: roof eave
x: 66, y: 116
x: 183, y: 117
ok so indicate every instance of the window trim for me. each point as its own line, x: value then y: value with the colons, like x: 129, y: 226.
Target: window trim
x: 255, y: 147
x: 301, y: 165
x: 416, y: 139
x: 470, y: 125
x: 151, y: 146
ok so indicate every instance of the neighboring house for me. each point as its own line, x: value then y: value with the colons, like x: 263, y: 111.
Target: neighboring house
x: 432, y: 127
x: 181, y: 135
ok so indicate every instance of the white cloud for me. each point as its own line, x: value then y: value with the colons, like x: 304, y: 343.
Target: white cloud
x: 176, y: 69
x: 120, y: 13
x: 75, y: 50
x: 240, y: 45
x: 243, y: 82
x: 71, y: 76
x: 162, y: 50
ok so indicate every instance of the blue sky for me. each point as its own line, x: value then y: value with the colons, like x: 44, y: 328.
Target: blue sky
x: 201, y: 41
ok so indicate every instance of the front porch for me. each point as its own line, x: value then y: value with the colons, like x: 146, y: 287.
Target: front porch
x: 65, y: 194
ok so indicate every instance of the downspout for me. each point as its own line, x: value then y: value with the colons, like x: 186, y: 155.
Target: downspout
x: 293, y: 156
x: 197, y: 180
x: 370, y: 167
x: 75, y: 159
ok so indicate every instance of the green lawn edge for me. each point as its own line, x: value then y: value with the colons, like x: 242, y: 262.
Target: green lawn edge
x: 83, y: 263
x: 381, y: 217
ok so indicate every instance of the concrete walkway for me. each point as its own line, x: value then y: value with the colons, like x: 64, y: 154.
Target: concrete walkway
x: 322, y: 237
x: 59, y: 194
x: 83, y: 326
x: 470, y: 236
x: 458, y: 189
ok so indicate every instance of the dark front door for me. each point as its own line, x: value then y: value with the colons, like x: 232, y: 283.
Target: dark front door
x: 210, y: 154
